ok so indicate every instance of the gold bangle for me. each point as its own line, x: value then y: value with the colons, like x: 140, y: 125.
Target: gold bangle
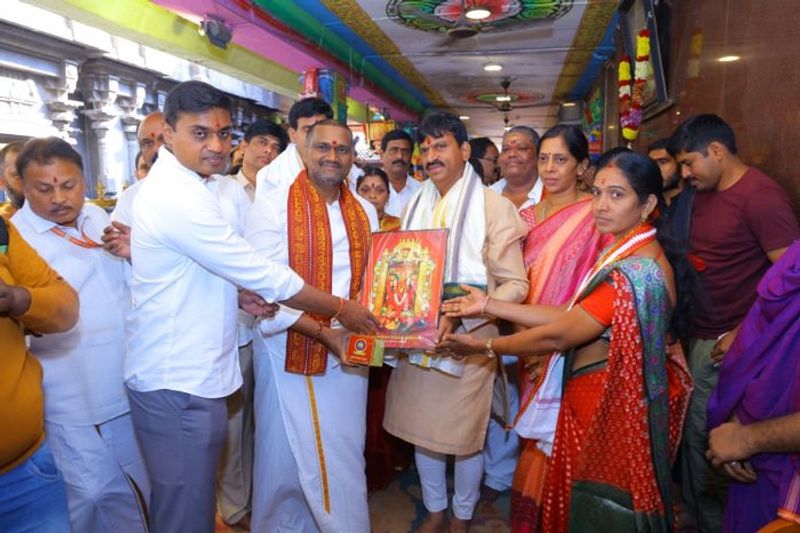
x: 341, y: 308
x: 490, y: 353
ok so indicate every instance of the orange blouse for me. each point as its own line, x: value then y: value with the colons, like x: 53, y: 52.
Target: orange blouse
x: 600, y: 303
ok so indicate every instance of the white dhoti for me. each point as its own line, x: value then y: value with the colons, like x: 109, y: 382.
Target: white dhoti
x: 309, y: 457
x: 310, y: 430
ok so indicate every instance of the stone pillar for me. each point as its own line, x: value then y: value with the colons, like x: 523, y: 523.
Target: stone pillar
x: 63, y: 110
x: 101, y: 93
x: 130, y: 126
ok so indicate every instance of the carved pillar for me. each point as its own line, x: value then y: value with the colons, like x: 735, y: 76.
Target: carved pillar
x: 63, y: 110
x: 101, y: 93
x: 130, y: 126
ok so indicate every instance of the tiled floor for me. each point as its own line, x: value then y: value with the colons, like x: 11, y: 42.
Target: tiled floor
x: 398, y: 509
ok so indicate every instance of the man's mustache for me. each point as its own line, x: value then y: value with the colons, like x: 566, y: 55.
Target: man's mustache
x: 401, y: 161
x: 432, y: 163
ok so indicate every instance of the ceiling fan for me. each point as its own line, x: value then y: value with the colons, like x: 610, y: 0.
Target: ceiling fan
x: 504, y: 102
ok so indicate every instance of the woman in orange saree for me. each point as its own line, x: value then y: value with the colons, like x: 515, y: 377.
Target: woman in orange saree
x: 563, y: 243
x: 621, y: 391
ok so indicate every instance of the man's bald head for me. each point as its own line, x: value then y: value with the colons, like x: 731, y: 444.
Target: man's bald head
x: 151, y: 135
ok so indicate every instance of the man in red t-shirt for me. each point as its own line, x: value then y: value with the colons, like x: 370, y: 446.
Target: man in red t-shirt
x: 741, y: 223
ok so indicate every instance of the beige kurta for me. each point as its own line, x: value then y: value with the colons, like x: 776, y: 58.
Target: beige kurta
x: 448, y: 414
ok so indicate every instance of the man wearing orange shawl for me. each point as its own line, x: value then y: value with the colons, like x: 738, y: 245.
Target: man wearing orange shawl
x: 310, y: 410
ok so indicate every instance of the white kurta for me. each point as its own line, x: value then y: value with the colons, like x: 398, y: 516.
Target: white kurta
x: 310, y: 431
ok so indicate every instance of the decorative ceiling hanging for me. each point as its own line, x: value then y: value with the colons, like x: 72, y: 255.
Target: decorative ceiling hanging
x: 439, y: 16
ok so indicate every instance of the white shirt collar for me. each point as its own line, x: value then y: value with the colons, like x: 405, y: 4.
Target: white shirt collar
x: 42, y: 225
x: 534, y: 195
x: 241, y: 178
x: 167, y: 161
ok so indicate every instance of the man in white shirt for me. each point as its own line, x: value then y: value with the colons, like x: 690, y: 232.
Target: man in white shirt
x: 87, y: 417
x: 518, y: 161
x: 262, y: 143
x: 285, y: 168
x: 396, y: 149
x: 311, y: 410
x: 187, y: 264
x: 151, y: 137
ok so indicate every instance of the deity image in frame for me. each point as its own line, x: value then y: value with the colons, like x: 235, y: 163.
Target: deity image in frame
x: 403, y: 286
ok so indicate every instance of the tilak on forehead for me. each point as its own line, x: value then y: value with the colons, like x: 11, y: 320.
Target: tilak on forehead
x: 334, y: 143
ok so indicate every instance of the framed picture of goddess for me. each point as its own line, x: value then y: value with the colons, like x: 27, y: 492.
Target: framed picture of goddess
x: 403, y: 286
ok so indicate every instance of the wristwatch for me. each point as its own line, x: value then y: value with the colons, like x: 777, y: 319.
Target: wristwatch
x: 489, y: 351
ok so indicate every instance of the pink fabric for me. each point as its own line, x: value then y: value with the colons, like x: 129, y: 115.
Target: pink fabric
x: 558, y: 253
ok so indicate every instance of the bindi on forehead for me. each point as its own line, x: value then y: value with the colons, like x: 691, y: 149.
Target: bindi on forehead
x: 55, y: 179
x: 602, y: 181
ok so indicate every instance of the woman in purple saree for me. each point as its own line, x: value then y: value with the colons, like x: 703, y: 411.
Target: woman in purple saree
x: 760, y: 380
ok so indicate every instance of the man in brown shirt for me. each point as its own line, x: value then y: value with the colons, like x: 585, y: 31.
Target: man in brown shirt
x: 32, y: 297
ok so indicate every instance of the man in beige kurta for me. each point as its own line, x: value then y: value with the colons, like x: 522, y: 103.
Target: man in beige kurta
x: 443, y: 406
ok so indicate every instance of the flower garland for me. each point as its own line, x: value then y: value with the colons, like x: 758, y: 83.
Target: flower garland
x: 631, y: 92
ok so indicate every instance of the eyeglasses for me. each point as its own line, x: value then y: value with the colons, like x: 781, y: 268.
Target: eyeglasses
x: 492, y: 160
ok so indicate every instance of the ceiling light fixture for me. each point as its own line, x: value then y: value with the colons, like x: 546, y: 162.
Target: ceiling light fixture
x: 568, y: 104
x: 503, y: 98
x: 728, y: 59
x: 477, y: 13
x: 493, y: 67
x: 464, y: 117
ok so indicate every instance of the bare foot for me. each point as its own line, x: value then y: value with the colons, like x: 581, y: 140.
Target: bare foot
x: 434, y: 523
x: 458, y: 525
